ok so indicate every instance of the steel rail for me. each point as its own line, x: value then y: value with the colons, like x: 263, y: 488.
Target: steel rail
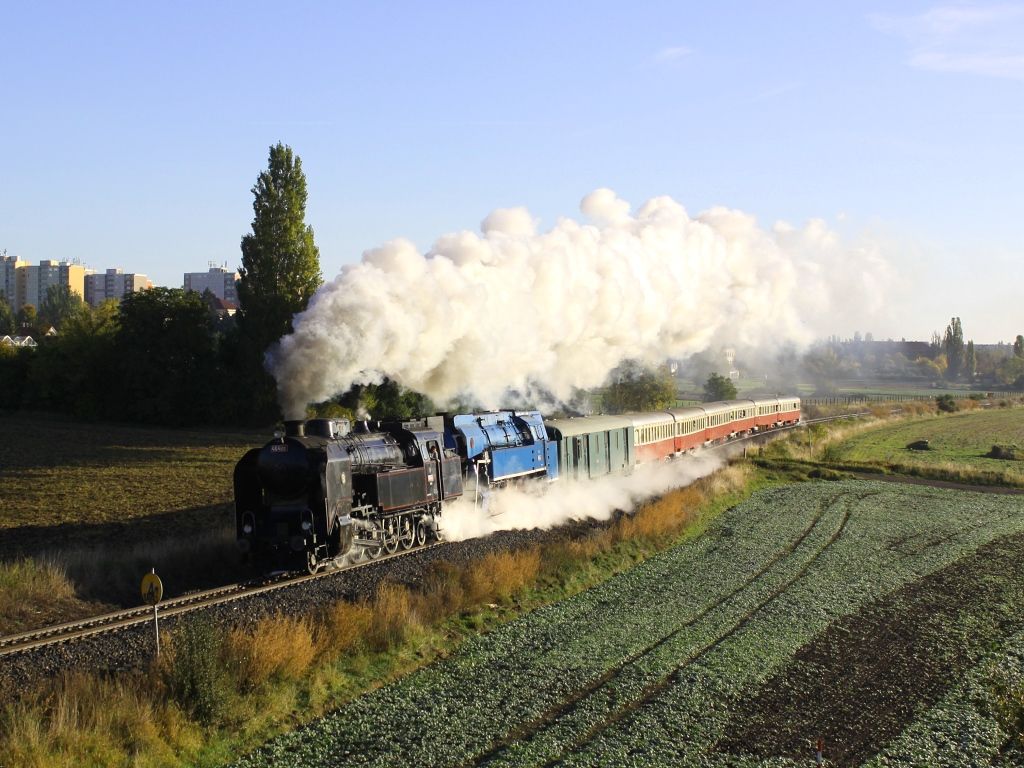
x: 130, y: 617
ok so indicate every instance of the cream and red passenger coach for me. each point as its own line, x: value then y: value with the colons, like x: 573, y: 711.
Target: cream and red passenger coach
x: 659, y: 435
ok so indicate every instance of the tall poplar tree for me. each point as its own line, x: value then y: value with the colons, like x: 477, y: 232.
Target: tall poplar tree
x: 971, y: 364
x: 280, y: 262
x: 953, y: 346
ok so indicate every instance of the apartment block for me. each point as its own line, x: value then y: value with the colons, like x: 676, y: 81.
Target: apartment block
x: 217, y: 280
x: 113, y: 284
x: 9, y: 266
x: 32, y: 282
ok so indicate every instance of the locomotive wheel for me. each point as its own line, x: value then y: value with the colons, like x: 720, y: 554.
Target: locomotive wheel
x: 407, y: 537
x: 312, y: 564
x: 391, y: 542
x: 372, y: 553
x: 421, y: 533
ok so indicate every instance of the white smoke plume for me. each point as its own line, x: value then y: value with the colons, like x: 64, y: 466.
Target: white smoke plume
x: 516, y: 310
x: 546, y: 505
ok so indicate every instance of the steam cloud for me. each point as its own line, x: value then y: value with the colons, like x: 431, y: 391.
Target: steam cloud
x: 516, y: 310
x: 541, y: 505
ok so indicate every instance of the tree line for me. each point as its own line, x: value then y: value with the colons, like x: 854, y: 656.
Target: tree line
x: 167, y: 356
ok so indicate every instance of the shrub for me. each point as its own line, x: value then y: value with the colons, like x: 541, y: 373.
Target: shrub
x: 192, y: 671
x: 1006, y: 452
x: 946, y: 404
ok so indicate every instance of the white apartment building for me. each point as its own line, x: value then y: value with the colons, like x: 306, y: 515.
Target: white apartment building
x: 217, y: 280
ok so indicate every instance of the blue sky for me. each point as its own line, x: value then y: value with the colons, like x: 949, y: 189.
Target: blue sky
x: 133, y: 132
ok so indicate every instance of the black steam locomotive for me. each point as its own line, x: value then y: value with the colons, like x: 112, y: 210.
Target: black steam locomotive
x: 322, y: 491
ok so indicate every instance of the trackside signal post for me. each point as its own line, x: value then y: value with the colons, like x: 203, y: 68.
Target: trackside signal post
x: 152, y: 593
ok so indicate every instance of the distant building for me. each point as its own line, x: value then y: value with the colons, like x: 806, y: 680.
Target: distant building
x: 9, y: 266
x: 217, y: 281
x: 32, y: 282
x: 113, y: 284
x: 18, y: 341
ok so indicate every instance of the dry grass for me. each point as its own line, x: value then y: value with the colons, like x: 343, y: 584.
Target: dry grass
x: 674, y: 512
x: 393, y: 616
x: 90, y: 721
x: 111, y: 572
x: 500, y: 575
x: 343, y: 627
x: 36, y: 592
x: 66, y: 584
x: 279, y: 647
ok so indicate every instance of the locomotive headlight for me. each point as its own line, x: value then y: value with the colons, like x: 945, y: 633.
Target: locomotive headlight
x: 307, y: 525
x: 247, y: 529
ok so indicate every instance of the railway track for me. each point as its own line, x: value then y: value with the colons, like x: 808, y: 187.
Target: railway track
x: 130, y: 617
x: 177, y: 606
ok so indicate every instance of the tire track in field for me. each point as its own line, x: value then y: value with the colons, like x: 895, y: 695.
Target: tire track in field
x: 672, y: 678
x: 867, y: 676
x: 552, y: 715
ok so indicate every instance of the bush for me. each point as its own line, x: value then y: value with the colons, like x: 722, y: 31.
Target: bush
x: 947, y: 404
x: 192, y: 670
x: 1006, y: 452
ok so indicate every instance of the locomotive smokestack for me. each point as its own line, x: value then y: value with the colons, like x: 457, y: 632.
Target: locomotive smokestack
x: 295, y: 428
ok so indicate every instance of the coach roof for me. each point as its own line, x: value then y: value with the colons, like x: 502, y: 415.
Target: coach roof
x: 586, y: 424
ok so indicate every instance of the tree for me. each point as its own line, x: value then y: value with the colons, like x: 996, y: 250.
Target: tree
x: 971, y: 361
x: 1018, y: 346
x: 73, y: 371
x: 7, y: 320
x: 60, y: 304
x: 953, y: 346
x: 280, y: 262
x: 168, y: 357
x: 27, y: 317
x: 718, y: 388
x: 385, y: 400
x: 635, y: 388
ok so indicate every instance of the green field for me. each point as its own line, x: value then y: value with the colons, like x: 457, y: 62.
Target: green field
x: 958, y: 444
x: 867, y: 614
x: 60, y: 472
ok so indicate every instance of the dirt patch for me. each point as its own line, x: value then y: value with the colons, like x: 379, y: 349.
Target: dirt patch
x: 863, y: 680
